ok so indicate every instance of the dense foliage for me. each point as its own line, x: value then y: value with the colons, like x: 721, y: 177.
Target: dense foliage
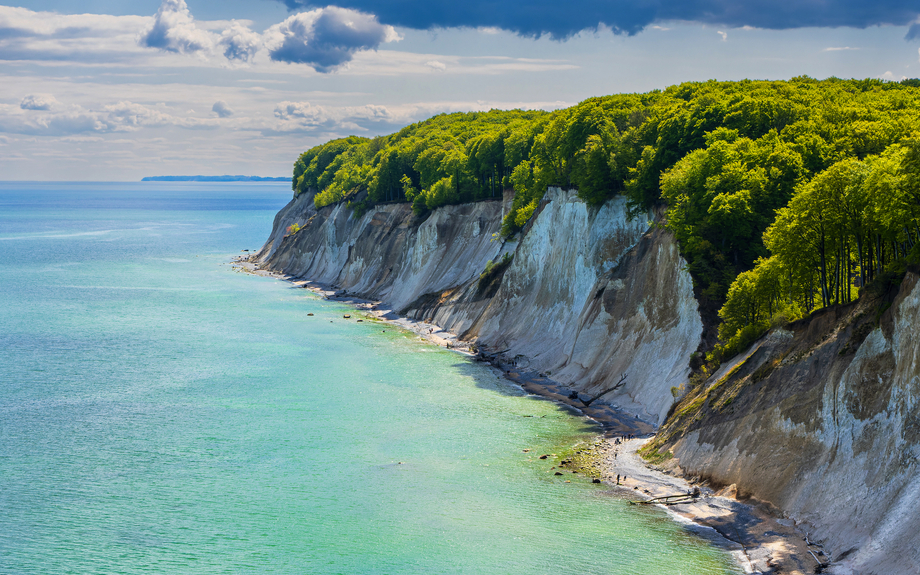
x: 447, y: 159
x: 848, y: 226
x: 785, y: 197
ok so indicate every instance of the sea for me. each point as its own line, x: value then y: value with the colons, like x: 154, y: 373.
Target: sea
x: 163, y: 412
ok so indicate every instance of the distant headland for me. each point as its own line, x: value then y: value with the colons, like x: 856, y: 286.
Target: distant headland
x: 214, y: 179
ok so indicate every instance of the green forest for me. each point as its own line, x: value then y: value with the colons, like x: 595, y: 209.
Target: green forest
x: 785, y: 196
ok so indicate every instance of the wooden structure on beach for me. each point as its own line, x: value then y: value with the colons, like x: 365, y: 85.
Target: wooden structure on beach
x: 671, y: 499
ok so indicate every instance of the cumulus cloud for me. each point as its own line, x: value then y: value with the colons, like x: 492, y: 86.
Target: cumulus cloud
x: 70, y: 121
x: 122, y: 116
x: 222, y: 109
x: 174, y: 30
x: 563, y: 19
x: 307, y: 117
x: 128, y: 116
x: 435, y: 65
x: 38, y: 102
x: 892, y: 77
x: 327, y: 121
x: 239, y: 42
x: 326, y: 38
x: 298, y: 115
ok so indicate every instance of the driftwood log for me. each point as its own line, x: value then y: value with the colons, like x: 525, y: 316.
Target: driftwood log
x: 616, y: 386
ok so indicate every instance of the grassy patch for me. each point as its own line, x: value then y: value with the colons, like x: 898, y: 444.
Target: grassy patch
x: 651, y: 454
x: 492, y: 272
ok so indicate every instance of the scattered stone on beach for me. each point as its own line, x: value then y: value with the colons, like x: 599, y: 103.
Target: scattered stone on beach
x: 309, y: 314
x: 347, y: 316
x: 558, y: 473
x: 544, y: 456
x: 595, y: 480
x: 526, y: 450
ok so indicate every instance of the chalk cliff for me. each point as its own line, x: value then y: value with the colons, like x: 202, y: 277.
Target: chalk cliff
x: 589, y: 295
x: 822, y: 420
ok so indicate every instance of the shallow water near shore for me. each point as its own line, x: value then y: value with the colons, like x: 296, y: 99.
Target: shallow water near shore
x: 162, y: 412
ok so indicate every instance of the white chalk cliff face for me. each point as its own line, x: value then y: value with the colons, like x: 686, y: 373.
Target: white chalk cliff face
x: 829, y: 432
x: 589, y: 295
x: 388, y: 253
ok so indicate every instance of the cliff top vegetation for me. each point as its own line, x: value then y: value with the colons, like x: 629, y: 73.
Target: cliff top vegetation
x: 785, y: 196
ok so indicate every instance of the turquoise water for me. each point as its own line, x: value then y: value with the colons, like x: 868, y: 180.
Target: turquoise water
x: 162, y: 413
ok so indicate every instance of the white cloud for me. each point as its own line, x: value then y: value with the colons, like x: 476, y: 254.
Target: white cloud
x: 122, y: 116
x: 127, y: 115
x: 839, y: 49
x: 889, y: 75
x: 174, y: 30
x: 307, y: 117
x: 72, y: 121
x: 239, y: 42
x: 104, y: 39
x: 38, y: 102
x: 723, y: 34
x: 435, y: 65
x: 47, y: 36
x: 326, y: 38
x: 82, y: 139
x: 337, y: 121
x: 303, y: 113
x: 222, y: 109
x: 391, y: 62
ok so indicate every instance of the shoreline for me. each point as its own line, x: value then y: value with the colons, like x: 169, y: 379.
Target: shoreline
x: 757, y: 540
x: 609, y: 418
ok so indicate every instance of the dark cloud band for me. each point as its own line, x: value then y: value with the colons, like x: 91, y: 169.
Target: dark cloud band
x: 562, y: 19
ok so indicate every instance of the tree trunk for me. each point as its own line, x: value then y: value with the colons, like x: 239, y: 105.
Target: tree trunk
x: 616, y: 386
x: 859, y: 251
x: 881, y: 255
x: 849, y: 269
x: 825, y: 296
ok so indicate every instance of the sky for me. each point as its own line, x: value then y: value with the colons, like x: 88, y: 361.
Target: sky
x: 115, y: 90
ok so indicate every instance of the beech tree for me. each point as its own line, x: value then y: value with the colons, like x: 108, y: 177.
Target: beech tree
x: 784, y: 197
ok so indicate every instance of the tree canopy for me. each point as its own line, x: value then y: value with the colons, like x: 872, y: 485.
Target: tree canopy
x: 784, y: 196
